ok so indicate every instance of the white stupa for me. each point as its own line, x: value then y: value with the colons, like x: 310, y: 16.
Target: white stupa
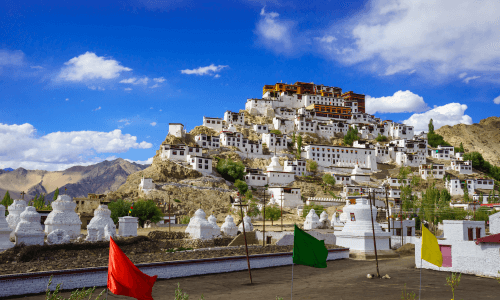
x: 102, y: 217
x: 275, y: 165
x: 231, y: 128
x: 357, y: 233
x: 229, y: 228
x: 312, y: 220
x: 58, y: 236
x: 213, y: 221
x: 64, y: 217
x: 199, y: 227
x: 248, y: 224
x: 15, y: 210
x: 5, y: 231
x: 323, y: 220
x: 29, y: 230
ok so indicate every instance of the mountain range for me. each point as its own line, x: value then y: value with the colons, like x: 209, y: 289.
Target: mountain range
x: 100, y: 178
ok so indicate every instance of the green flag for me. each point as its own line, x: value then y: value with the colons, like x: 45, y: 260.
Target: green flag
x: 307, y: 250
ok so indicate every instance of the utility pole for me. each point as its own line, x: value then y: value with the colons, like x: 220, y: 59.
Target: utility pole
x: 245, y: 237
x: 169, y: 220
x: 264, y: 219
x: 389, y: 218
x: 282, y: 210
x: 373, y: 230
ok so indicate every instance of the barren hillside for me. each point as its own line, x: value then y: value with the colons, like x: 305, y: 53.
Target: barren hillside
x: 483, y: 137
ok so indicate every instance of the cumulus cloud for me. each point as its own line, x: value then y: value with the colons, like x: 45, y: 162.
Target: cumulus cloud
x: 208, y: 70
x: 449, y: 114
x: 136, y: 81
x: 496, y: 100
x: 60, y: 150
x: 466, y: 80
x: 11, y: 58
x: 152, y: 124
x: 96, y: 109
x: 443, y: 37
x: 159, y: 79
x: 326, y: 39
x: 401, y: 101
x: 273, y: 32
x: 90, y: 66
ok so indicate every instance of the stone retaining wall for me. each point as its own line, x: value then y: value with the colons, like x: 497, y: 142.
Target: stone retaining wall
x: 34, y: 283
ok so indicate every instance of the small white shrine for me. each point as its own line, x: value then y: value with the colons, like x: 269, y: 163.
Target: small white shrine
x: 216, y: 229
x: 5, y: 231
x: 29, y: 230
x: 127, y: 226
x: 199, y: 227
x: 335, y: 223
x: 15, y: 211
x: 64, y: 217
x: 229, y: 227
x: 357, y: 233
x: 359, y: 175
x: 248, y: 224
x: 312, y: 220
x: 323, y: 220
x: 96, y: 227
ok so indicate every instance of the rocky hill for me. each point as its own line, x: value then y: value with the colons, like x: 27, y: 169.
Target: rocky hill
x: 483, y: 137
x: 79, y: 180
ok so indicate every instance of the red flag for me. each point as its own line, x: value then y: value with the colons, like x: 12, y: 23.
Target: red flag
x: 124, y: 278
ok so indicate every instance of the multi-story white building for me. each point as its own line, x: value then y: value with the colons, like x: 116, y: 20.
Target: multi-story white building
x: 443, y: 152
x: 400, y: 131
x: 382, y: 154
x: 261, y: 128
x: 285, y: 113
x: 207, y: 141
x: 296, y: 166
x: 410, y: 159
x: 289, y: 197
x: 255, y: 177
x: 435, y: 171
x: 456, y: 186
x: 236, y: 139
x: 216, y: 124
x: 274, y: 142
x: 396, y: 182
x: 459, y: 155
x: 342, y: 179
x: 284, y: 125
x: 276, y: 175
x: 462, y: 167
x: 305, y: 125
x: 234, y: 118
x: 199, y: 163
x: 327, y: 155
x: 261, y: 106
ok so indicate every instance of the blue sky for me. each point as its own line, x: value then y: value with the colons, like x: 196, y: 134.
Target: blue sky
x: 100, y: 80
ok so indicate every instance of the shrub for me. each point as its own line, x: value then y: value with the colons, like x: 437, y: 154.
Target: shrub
x: 230, y: 170
x: 381, y: 138
x: 318, y: 209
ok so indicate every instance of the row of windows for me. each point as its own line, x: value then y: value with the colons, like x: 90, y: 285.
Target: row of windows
x: 212, y: 122
x: 341, y: 150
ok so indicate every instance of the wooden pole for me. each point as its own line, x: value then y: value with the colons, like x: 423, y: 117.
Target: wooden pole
x: 169, y: 220
x: 389, y: 218
x: 373, y: 230
x: 281, y: 210
x: 264, y: 221
x: 245, y: 237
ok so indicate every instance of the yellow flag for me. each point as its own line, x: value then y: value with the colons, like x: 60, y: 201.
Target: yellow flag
x: 430, y: 251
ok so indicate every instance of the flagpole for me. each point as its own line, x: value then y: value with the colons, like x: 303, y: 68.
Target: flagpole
x: 291, y: 296
x: 420, y: 288
x: 421, y: 243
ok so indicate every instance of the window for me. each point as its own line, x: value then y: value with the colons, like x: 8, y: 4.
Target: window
x: 470, y: 234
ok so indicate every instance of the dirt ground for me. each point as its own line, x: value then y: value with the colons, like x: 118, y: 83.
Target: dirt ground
x: 342, y: 279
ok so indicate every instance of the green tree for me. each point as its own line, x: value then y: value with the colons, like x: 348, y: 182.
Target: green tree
x: 119, y: 208
x: 241, y: 186
x: 351, y: 136
x: 56, y: 193
x: 466, y: 193
x: 230, y: 170
x: 146, y: 210
x: 293, y: 138
x: 277, y: 132
x: 273, y: 213
x: 381, y: 138
x: 6, y: 201
x: 461, y: 148
x: 431, y: 127
x: 329, y: 180
x: 312, y: 166
x: 299, y: 146
x: 253, y: 209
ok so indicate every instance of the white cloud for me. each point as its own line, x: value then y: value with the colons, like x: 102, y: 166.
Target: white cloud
x: 12, y: 58
x: 462, y: 75
x: 208, y: 70
x: 449, y: 114
x: 216, y: 76
x: 154, y: 86
x: 97, y: 109
x: 326, y: 39
x: 401, y: 101
x: 496, y: 100
x: 141, y: 162
x: 60, y: 150
x: 67, y: 99
x: 466, y: 80
x: 152, y: 124
x: 159, y: 79
x: 136, y: 81
x: 93, y: 87
x: 90, y: 66
x: 127, y: 89
x: 273, y: 32
x: 444, y: 37
x: 126, y: 121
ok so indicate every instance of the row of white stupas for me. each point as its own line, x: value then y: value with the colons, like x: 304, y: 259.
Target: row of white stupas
x: 63, y: 224
x: 201, y: 228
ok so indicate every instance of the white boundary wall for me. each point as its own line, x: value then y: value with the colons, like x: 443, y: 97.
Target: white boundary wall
x: 31, y: 283
x: 466, y: 257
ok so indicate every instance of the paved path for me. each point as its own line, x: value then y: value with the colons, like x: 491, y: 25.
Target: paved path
x: 342, y: 279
